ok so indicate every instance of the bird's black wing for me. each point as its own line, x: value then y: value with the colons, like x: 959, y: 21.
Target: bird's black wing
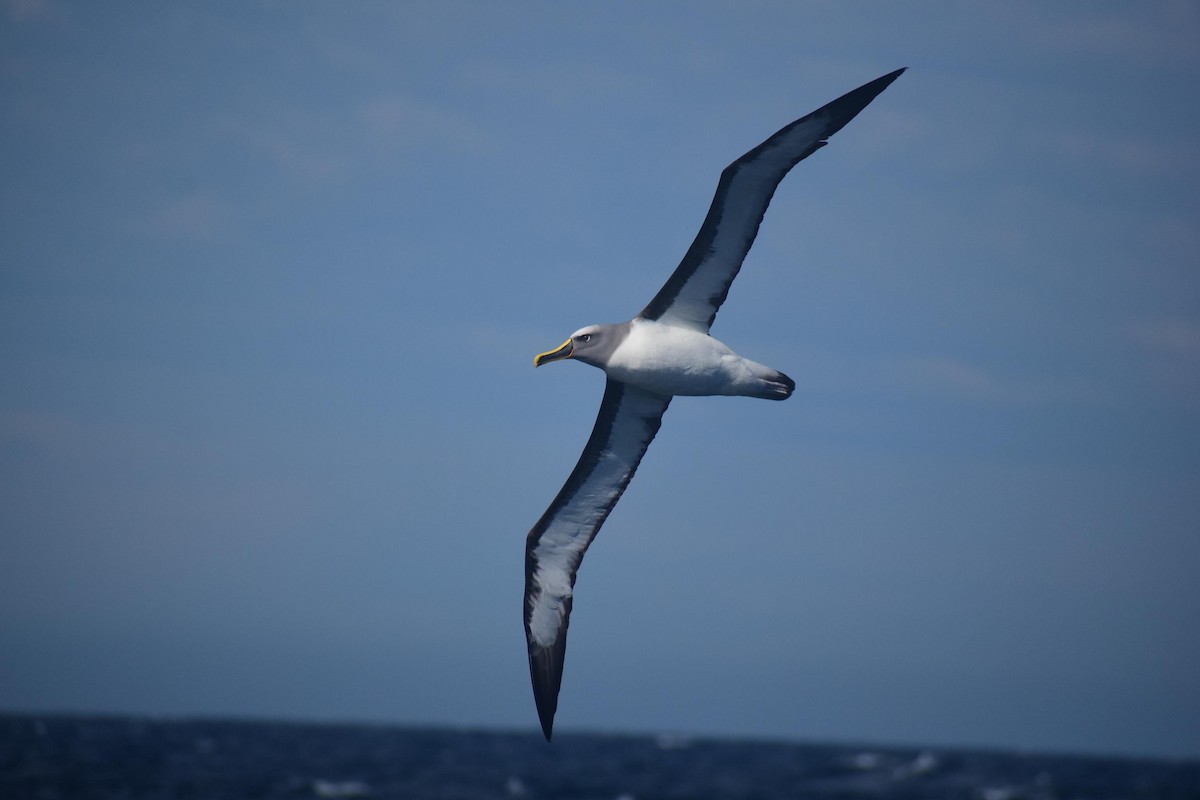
x: 627, y: 422
x: 699, y: 285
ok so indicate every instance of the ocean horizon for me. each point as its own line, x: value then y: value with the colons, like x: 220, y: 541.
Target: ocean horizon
x: 82, y: 756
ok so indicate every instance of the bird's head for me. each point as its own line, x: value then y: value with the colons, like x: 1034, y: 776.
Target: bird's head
x: 591, y: 345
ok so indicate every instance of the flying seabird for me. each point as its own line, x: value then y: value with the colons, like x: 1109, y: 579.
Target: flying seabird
x: 662, y: 352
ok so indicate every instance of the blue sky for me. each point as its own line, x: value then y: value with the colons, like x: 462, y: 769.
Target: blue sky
x: 270, y: 436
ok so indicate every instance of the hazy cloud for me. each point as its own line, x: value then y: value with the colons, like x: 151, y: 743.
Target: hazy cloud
x: 198, y: 215
x: 370, y: 134
x: 37, y: 428
x: 297, y: 146
x: 1158, y: 32
x: 958, y: 379
x: 564, y: 88
x: 1141, y: 157
x: 398, y: 122
x: 28, y: 10
x: 1174, y: 337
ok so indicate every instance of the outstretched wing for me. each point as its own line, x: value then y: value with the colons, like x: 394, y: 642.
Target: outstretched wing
x: 625, y: 426
x: 694, y: 292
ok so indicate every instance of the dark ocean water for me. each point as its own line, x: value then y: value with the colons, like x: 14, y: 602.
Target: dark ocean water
x: 76, y: 758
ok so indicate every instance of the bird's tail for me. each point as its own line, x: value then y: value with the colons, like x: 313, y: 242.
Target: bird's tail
x: 771, y: 384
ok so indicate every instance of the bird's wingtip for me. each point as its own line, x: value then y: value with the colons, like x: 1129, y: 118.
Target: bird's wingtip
x: 545, y: 667
x: 883, y: 81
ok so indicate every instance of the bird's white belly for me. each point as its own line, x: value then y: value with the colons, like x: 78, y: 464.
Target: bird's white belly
x: 669, y: 360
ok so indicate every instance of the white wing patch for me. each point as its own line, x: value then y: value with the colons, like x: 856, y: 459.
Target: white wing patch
x: 628, y: 420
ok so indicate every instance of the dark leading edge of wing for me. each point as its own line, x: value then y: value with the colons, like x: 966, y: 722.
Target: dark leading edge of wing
x: 628, y: 420
x: 699, y: 285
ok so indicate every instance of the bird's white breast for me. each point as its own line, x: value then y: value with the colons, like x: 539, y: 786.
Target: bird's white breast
x: 671, y: 360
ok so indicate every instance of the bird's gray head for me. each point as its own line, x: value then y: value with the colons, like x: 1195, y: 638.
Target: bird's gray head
x: 591, y: 345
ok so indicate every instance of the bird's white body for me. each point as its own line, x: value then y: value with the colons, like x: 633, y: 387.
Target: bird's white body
x: 672, y: 360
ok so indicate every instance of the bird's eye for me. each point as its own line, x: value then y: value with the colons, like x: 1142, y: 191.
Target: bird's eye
x: 587, y: 337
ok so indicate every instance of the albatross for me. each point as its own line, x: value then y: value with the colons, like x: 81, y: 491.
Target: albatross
x: 664, y: 351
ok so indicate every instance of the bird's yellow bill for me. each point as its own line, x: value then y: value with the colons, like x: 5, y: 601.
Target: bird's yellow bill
x: 564, y: 350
